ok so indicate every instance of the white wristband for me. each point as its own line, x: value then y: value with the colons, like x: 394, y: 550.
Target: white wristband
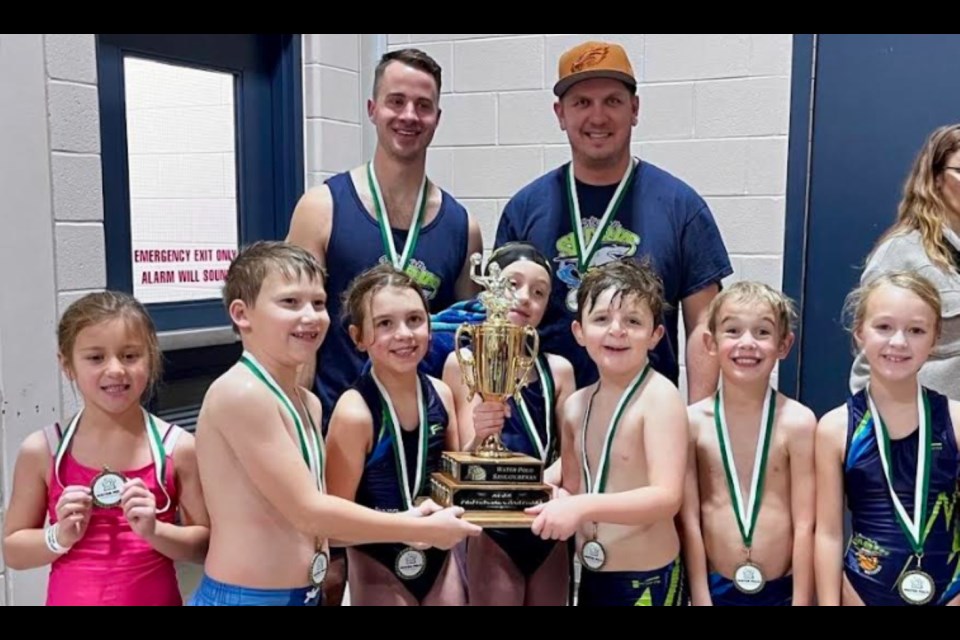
x: 50, y: 537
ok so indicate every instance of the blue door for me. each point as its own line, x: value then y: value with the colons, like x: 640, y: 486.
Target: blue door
x: 854, y: 133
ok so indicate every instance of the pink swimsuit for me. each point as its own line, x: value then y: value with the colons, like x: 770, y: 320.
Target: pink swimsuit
x: 111, y: 565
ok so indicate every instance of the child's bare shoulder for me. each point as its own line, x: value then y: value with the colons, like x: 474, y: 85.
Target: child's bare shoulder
x: 700, y: 413
x: 351, y: 409
x: 235, y: 383
x: 660, y: 395
x: 35, y: 450
x: 835, y: 419
x: 576, y: 404
x: 235, y: 397
x: 559, y: 365
x: 796, y: 418
x: 831, y: 429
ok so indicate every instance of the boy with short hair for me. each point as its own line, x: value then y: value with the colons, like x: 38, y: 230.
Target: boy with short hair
x: 261, y: 456
x: 624, y: 448
x: 750, y: 502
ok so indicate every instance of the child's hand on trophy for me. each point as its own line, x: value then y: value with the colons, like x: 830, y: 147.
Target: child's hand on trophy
x: 423, y: 508
x: 488, y: 419
x: 557, y: 519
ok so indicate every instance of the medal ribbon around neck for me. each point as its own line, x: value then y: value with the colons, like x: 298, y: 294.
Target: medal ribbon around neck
x: 399, y: 261
x: 310, y: 446
x: 409, y: 494
x: 546, y: 381
x: 154, y: 441
x: 913, y: 527
x: 603, y: 467
x: 585, y: 250
x: 745, y: 512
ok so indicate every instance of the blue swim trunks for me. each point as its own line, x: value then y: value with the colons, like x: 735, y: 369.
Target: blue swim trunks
x: 212, y: 593
x: 664, y: 587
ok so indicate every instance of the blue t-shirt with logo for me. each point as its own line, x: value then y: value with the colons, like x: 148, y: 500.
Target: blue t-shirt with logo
x: 660, y: 217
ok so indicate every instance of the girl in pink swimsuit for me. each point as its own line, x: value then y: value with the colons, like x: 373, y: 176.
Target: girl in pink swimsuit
x: 118, y: 485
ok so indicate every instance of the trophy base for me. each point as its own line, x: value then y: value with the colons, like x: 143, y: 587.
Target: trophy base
x: 513, y: 469
x: 490, y: 504
x: 499, y: 520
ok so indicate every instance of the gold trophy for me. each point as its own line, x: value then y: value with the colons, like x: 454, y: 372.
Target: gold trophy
x: 493, y: 484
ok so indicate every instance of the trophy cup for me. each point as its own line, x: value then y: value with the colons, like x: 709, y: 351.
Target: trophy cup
x: 493, y: 484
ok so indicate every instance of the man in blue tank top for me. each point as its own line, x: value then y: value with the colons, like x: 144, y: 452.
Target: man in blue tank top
x: 386, y: 210
x: 606, y: 205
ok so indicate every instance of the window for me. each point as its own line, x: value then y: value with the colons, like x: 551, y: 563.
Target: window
x: 202, y: 152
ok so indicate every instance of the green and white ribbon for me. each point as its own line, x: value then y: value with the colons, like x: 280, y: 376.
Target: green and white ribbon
x: 408, y: 493
x: 746, y: 512
x: 914, y: 527
x: 585, y: 249
x: 398, y: 260
x: 546, y: 382
x: 599, y: 483
x: 311, y: 447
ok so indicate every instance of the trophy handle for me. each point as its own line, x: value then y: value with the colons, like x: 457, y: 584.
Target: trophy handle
x: 525, y: 363
x: 466, y: 366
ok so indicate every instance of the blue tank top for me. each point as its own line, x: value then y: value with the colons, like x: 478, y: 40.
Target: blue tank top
x: 379, y: 488
x: 868, y: 498
x: 355, y: 246
x: 514, y: 434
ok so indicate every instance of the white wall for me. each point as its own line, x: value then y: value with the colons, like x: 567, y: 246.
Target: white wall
x: 714, y: 111
x: 73, y: 115
x: 32, y: 182
x: 333, y: 107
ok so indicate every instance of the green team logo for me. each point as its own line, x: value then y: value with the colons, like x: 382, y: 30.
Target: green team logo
x: 416, y: 269
x: 869, y: 554
x: 617, y: 243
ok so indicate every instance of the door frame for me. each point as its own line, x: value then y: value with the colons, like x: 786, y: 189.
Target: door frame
x: 802, y: 110
x: 283, y: 185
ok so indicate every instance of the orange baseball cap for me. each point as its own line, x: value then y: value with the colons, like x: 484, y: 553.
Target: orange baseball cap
x: 593, y: 60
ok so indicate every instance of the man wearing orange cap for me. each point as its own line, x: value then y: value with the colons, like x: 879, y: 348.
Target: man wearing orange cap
x: 607, y: 205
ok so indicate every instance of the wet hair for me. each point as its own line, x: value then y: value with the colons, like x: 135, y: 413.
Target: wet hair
x: 629, y: 279
x: 257, y: 261
x: 358, y: 296
x: 104, y: 306
x: 512, y: 252
x: 855, y: 306
x: 412, y: 58
x: 757, y: 293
